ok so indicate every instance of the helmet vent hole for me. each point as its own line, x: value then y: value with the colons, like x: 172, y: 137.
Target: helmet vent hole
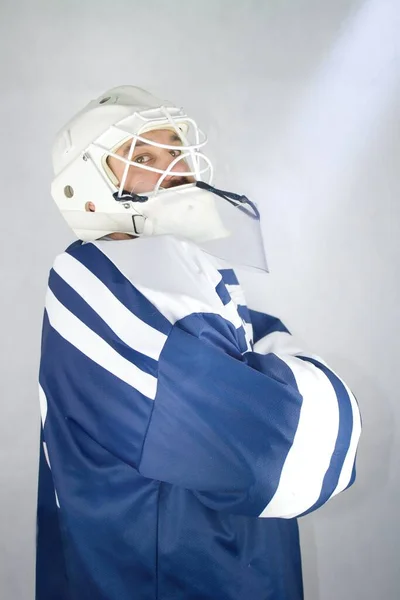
x: 68, y: 191
x: 104, y: 100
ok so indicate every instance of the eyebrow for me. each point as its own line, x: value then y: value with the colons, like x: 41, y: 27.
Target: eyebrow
x: 174, y: 138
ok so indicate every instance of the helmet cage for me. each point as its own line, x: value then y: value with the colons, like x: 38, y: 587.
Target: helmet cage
x: 132, y: 128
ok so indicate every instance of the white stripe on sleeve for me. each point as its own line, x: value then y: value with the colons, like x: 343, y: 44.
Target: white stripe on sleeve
x: 95, y: 348
x: 314, y: 442
x: 348, y: 463
x: 129, y: 328
x: 278, y: 342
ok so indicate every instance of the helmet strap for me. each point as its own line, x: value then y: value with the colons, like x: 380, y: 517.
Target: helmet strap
x: 125, y: 196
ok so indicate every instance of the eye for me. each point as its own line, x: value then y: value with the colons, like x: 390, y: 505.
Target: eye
x: 175, y: 153
x: 144, y: 158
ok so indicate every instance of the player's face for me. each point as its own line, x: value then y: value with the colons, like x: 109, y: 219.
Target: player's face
x: 141, y: 180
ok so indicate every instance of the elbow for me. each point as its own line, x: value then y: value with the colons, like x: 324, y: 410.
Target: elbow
x: 300, y: 498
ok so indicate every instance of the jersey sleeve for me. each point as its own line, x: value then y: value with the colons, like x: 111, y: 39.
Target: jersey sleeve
x: 272, y: 433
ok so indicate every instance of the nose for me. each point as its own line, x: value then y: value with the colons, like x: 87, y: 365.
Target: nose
x: 179, y: 167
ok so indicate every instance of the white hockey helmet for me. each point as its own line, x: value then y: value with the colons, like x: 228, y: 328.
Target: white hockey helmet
x: 195, y: 212
x: 82, y: 147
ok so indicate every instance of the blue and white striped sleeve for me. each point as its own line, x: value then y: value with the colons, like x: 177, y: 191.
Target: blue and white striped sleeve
x: 272, y: 433
x: 101, y: 343
x: 321, y: 460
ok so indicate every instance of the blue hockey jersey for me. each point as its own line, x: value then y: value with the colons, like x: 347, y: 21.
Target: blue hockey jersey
x: 182, y: 432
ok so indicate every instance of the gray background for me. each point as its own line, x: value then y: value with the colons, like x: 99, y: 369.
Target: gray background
x: 300, y: 99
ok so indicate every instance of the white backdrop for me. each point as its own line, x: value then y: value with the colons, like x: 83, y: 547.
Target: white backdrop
x: 300, y: 99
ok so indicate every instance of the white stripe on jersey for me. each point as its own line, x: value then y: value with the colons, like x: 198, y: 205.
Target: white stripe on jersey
x: 237, y: 294
x: 128, y: 327
x: 43, y: 404
x: 189, y: 289
x: 95, y: 348
x: 46, y: 455
x: 248, y: 328
x: 232, y: 314
x: 229, y: 311
x: 278, y: 342
x: 314, y: 442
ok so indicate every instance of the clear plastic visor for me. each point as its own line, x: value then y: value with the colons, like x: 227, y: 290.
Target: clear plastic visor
x: 244, y: 245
